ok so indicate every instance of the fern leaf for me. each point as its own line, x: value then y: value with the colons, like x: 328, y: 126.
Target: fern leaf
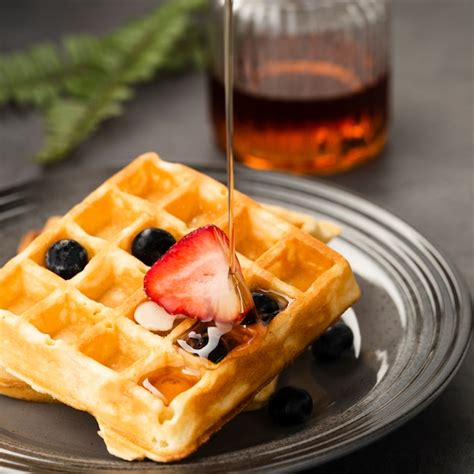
x: 140, y: 50
x: 19, y: 71
x: 70, y: 121
x: 44, y: 72
x: 38, y: 75
x: 149, y: 44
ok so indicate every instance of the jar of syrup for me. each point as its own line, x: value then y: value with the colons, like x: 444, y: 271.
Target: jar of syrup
x: 311, y: 82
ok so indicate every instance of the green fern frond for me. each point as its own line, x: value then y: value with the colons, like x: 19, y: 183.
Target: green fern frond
x: 145, y: 45
x: 70, y: 121
x: 29, y: 78
x: 134, y: 54
x: 38, y: 75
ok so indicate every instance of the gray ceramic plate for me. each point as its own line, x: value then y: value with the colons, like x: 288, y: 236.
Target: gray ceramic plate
x: 412, y: 322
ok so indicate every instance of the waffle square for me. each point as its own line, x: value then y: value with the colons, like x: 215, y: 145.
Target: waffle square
x: 88, y: 351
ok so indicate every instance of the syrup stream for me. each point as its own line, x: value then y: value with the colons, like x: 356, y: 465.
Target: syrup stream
x: 229, y: 112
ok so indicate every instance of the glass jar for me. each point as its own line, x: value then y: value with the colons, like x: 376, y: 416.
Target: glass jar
x: 311, y: 82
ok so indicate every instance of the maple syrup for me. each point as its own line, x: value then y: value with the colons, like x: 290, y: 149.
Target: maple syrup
x: 305, y: 134
x: 200, y: 341
x: 216, y: 344
x: 209, y: 340
x: 240, y: 287
x: 167, y: 383
x: 229, y: 125
x: 311, y: 82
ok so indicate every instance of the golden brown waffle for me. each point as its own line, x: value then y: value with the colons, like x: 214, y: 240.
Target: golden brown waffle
x: 325, y: 231
x: 76, y: 340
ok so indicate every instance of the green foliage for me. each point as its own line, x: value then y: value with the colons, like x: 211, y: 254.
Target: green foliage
x: 38, y: 75
x: 30, y: 77
x: 86, y: 80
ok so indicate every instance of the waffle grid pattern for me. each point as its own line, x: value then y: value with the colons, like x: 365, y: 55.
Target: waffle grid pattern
x: 91, y: 353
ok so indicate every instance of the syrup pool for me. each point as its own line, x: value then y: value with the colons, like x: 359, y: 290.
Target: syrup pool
x: 214, y: 343
x: 167, y: 383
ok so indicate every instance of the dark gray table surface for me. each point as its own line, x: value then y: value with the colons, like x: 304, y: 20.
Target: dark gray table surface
x: 425, y: 176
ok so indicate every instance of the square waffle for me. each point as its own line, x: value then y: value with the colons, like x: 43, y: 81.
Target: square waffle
x: 325, y: 231
x: 89, y: 353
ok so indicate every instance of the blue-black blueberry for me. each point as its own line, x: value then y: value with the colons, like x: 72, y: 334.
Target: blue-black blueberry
x: 333, y: 343
x: 290, y: 406
x: 151, y: 244
x: 66, y: 258
x: 266, y: 308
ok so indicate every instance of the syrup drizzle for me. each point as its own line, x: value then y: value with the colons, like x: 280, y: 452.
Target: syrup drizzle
x: 214, y: 343
x: 214, y: 334
x: 242, y: 291
x: 229, y: 113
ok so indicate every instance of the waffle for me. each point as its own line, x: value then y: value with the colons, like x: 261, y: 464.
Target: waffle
x: 325, y: 231
x: 77, y: 342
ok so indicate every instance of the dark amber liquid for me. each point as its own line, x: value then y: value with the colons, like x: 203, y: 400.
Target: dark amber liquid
x: 170, y: 381
x: 328, y: 122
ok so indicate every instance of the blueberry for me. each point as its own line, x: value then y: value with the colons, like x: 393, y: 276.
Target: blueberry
x: 331, y: 345
x: 66, y: 258
x: 266, y: 306
x: 151, y: 244
x: 290, y: 406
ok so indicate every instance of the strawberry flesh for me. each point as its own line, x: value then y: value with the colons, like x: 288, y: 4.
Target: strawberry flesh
x: 193, y: 278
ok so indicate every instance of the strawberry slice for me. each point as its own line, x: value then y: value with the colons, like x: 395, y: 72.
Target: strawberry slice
x: 193, y: 278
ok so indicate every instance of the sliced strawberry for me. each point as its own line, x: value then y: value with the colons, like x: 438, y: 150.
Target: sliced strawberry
x: 193, y: 279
